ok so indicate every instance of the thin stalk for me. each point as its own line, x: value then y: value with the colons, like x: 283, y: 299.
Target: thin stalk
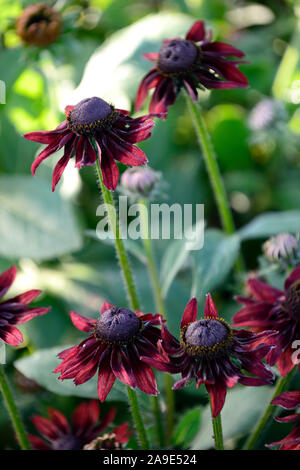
x: 137, y: 417
x: 213, y: 171
x: 160, y: 305
x: 264, y: 421
x: 13, y: 412
x: 131, y: 290
x: 217, y: 429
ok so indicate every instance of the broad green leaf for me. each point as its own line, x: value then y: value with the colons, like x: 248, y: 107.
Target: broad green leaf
x: 187, y: 427
x: 214, y: 262
x: 39, y: 367
x: 242, y: 410
x: 271, y: 223
x: 34, y: 222
x: 176, y: 255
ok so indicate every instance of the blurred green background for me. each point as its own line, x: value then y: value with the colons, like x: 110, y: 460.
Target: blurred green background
x: 256, y: 133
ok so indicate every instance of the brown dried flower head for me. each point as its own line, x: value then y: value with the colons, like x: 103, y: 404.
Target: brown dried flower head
x: 39, y: 25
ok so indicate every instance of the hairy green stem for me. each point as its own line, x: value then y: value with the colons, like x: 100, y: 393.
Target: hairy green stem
x: 132, y: 293
x: 217, y: 430
x: 264, y: 421
x: 160, y: 305
x: 158, y: 422
x: 13, y: 412
x: 138, y: 420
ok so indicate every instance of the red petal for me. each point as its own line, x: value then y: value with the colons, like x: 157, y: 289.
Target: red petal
x: 263, y: 291
x: 11, y: 335
x: 218, y: 395
x: 45, y: 427
x: 293, y: 277
x: 197, y: 32
x: 106, y: 378
x: 6, y: 279
x: 288, y: 400
x: 62, y: 163
x: 59, y: 420
x: 190, y: 313
x: 223, y: 49
x: 106, y: 306
x: 151, y: 80
x: 210, y: 310
x: 152, y: 56
x: 121, y: 368
x: 81, y: 322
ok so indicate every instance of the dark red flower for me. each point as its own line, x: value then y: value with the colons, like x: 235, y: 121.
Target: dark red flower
x: 95, y: 123
x: 16, y: 310
x: 84, y: 427
x: 289, y: 401
x: 193, y: 62
x: 114, y: 346
x: 213, y: 353
x: 271, y: 308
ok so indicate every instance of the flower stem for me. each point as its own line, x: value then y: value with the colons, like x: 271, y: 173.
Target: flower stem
x: 132, y: 293
x: 13, y: 412
x: 160, y: 305
x: 217, y: 429
x: 281, y: 385
x: 137, y: 417
x: 212, y: 166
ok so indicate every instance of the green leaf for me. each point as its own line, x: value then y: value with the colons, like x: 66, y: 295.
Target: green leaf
x: 175, y: 256
x: 120, y: 76
x: 187, y: 427
x: 242, y: 410
x: 34, y: 222
x: 214, y: 262
x: 39, y: 367
x: 271, y: 223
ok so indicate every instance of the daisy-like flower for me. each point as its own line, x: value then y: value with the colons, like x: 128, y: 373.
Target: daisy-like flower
x: 16, y: 310
x: 271, y: 308
x: 90, y: 124
x: 114, y: 346
x: 289, y: 401
x: 39, y: 25
x: 193, y: 62
x: 212, y: 353
x: 59, y: 434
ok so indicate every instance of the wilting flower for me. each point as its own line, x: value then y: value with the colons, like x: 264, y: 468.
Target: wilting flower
x: 211, y: 352
x: 289, y: 401
x: 114, y: 346
x: 281, y: 247
x: 94, y: 122
x: 140, y: 181
x: 85, y: 426
x: 272, y: 308
x: 190, y: 63
x: 39, y: 25
x: 16, y: 310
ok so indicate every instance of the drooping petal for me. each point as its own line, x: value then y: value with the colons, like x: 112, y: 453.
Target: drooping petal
x: 106, y: 378
x: 109, y: 168
x: 151, y: 80
x: 218, y: 395
x: 121, y: 367
x: 62, y: 163
x: 263, y: 292
x: 222, y: 49
x: 288, y: 400
x: 11, y: 335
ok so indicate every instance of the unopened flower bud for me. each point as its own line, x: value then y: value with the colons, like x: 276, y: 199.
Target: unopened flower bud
x: 140, y: 181
x: 282, y: 246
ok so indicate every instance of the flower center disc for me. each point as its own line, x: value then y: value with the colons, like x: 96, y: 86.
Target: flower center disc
x: 117, y: 325
x: 293, y: 300
x: 67, y: 443
x: 177, y: 56
x: 91, y: 115
x: 206, y: 337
